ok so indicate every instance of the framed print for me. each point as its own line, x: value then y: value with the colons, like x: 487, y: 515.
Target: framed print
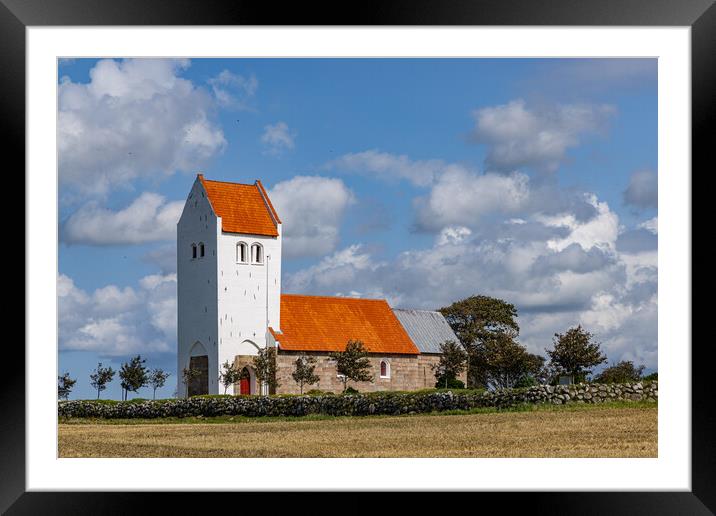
x: 418, y: 248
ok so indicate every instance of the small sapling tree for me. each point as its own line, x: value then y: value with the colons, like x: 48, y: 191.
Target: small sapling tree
x: 134, y: 375
x: 230, y: 374
x: 265, y: 367
x: 157, y: 379
x: 353, y: 363
x: 101, y: 377
x: 303, y: 373
x: 64, y: 386
x: 188, y: 374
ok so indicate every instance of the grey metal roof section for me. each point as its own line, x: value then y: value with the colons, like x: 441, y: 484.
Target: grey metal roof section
x: 426, y: 328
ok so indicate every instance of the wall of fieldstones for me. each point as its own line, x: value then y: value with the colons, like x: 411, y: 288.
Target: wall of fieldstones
x: 375, y: 403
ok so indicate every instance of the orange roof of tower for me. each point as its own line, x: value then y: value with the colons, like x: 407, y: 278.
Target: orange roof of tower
x: 316, y: 323
x: 242, y: 208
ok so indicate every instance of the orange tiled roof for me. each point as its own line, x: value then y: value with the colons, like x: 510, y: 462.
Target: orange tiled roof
x: 315, y: 323
x: 242, y: 208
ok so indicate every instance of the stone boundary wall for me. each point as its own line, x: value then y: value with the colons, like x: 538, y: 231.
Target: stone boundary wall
x: 385, y: 403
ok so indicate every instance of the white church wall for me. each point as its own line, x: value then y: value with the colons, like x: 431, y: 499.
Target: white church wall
x: 197, y: 286
x: 248, y: 295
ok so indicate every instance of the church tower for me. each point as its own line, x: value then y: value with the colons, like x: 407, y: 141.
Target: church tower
x: 228, y: 281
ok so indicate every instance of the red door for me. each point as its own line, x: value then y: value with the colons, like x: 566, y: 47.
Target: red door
x: 244, y: 386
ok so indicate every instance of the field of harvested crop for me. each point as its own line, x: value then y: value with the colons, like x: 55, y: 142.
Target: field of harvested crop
x: 577, y: 431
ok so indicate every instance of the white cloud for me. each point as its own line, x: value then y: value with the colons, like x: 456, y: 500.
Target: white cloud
x: 518, y: 136
x: 233, y: 91
x: 311, y: 209
x: 148, y: 218
x: 460, y: 197
x: 555, y: 281
x: 277, y: 138
x: 389, y: 166
x: 134, y: 118
x: 651, y: 225
x: 643, y: 190
x: 115, y: 321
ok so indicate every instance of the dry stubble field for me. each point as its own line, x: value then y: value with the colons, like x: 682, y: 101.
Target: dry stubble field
x: 590, y: 431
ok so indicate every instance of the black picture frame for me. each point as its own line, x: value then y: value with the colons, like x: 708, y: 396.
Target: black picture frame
x: 700, y: 15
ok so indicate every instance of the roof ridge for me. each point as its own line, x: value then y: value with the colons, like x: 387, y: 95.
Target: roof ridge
x: 338, y: 297
x: 227, y: 182
x: 418, y: 310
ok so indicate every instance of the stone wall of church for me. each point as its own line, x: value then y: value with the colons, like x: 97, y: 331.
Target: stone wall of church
x: 407, y: 373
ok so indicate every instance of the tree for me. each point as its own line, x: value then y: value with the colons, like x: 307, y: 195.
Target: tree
x: 507, y: 363
x: 265, y: 367
x: 134, y: 376
x: 651, y: 377
x: 230, y: 374
x: 188, y: 375
x: 622, y: 372
x: 101, y: 377
x: 475, y: 320
x: 157, y: 379
x: 575, y: 353
x: 353, y: 363
x: 303, y: 373
x: 452, y: 362
x: 64, y: 386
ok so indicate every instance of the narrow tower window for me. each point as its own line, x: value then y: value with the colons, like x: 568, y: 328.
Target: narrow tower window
x: 193, y: 251
x: 242, y: 252
x: 201, y: 250
x: 257, y: 253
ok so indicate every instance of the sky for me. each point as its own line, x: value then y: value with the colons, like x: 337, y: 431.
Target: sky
x: 421, y: 181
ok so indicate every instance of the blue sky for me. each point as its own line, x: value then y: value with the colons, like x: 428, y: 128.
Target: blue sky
x: 418, y: 180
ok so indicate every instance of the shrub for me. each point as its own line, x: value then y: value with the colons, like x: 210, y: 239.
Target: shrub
x: 350, y: 390
x: 360, y: 404
x: 319, y: 392
x: 452, y: 383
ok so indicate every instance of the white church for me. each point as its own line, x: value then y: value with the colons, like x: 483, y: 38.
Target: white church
x: 230, y: 305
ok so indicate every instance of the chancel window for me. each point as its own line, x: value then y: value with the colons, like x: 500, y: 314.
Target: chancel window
x: 384, y: 369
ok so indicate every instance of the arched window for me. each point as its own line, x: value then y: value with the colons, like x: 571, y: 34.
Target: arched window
x: 384, y: 369
x: 257, y: 253
x: 242, y: 252
x: 201, y: 250
x: 193, y: 251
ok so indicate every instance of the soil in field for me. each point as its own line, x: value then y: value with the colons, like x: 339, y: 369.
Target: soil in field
x: 594, y: 432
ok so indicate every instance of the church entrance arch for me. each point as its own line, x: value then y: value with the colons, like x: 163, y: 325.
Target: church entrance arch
x: 199, y: 365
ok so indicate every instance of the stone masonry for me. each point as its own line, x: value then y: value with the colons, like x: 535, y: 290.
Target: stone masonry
x: 407, y: 373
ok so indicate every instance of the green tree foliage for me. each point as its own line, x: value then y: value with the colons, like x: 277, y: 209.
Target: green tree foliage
x: 477, y: 320
x: 353, y: 363
x: 622, y: 372
x: 101, y: 377
x: 453, y: 359
x: 188, y: 374
x: 575, y: 353
x: 651, y: 377
x: 134, y: 375
x: 157, y: 379
x: 507, y: 363
x: 265, y: 367
x: 64, y: 386
x: 230, y: 374
x: 303, y: 372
